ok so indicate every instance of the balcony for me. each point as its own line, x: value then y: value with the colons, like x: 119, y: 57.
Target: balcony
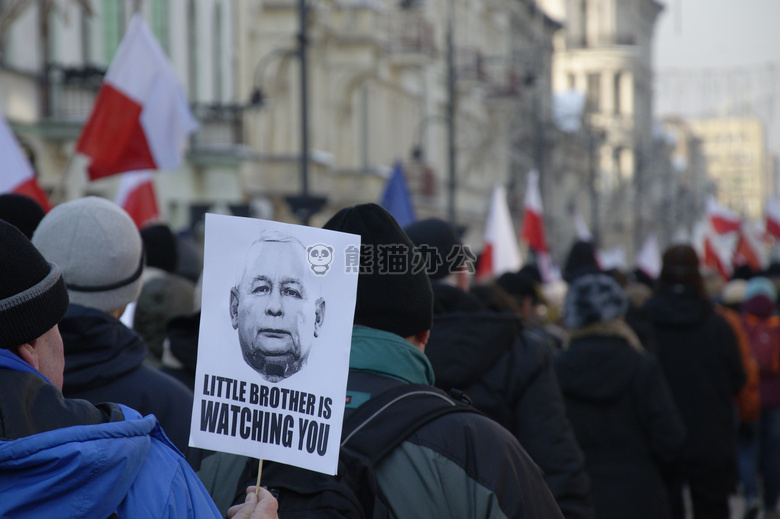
x: 70, y: 96
x: 359, y: 23
x: 220, y: 132
x: 504, y: 78
x: 469, y: 65
x: 410, y: 39
x: 600, y: 41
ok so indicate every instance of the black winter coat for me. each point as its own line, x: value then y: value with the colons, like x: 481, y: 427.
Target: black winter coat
x: 104, y: 363
x: 700, y: 358
x: 625, y: 420
x: 510, y: 378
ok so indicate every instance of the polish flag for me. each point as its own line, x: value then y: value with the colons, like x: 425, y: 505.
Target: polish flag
x: 16, y: 174
x: 533, y: 224
x: 773, y: 216
x: 751, y: 247
x: 137, y: 197
x: 500, y: 253
x: 648, y: 260
x: 719, y: 249
x: 141, y: 118
x: 722, y: 219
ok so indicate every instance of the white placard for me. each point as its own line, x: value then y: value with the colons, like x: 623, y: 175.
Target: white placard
x: 273, y: 353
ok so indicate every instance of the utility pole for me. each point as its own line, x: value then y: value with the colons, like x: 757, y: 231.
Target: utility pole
x: 594, y: 193
x: 451, y: 113
x: 304, y: 205
x: 302, y: 42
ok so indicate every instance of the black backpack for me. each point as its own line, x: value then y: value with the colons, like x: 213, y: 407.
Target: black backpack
x: 369, y: 434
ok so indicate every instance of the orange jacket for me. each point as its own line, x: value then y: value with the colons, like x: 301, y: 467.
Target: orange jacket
x: 748, y: 400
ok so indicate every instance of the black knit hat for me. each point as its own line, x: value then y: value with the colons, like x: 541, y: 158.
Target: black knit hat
x: 518, y: 285
x: 395, y: 300
x: 581, y: 260
x: 21, y: 211
x: 160, y: 247
x: 33, y: 297
x: 442, y: 237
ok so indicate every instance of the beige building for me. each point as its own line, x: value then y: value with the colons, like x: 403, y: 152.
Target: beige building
x: 52, y: 65
x: 737, y: 162
x: 605, y: 52
x: 378, y: 90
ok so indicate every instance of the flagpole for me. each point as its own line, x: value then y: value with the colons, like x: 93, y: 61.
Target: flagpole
x: 58, y: 193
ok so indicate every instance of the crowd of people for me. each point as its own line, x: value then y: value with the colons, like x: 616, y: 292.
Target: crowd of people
x: 622, y: 397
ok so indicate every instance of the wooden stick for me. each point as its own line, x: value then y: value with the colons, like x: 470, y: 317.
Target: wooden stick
x: 259, y: 473
x: 59, y: 190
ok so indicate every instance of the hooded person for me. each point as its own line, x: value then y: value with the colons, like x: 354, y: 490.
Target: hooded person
x: 505, y: 370
x: 99, y: 250
x: 68, y: 458
x: 618, y: 403
x: 699, y: 356
x: 759, y: 451
x: 457, y: 465
x: 164, y: 294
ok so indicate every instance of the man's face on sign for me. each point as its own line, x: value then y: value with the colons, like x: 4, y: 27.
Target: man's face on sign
x: 276, y: 309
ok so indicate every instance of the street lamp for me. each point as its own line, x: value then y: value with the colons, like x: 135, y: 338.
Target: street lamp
x: 258, y: 98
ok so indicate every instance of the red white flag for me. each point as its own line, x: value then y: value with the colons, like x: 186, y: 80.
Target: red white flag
x: 533, y: 224
x: 500, y: 253
x: 718, y: 251
x: 648, y: 260
x: 773, y: 216
x: 141, y: 118
x: 752, y: 247
x: 136, y: 196
x: 721, y: 218
x: 16, y: 174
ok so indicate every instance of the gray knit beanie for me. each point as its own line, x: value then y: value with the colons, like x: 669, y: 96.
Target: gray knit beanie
x: 99, y: 250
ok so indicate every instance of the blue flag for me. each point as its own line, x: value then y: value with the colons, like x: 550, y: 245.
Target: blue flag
x: 396, y: 197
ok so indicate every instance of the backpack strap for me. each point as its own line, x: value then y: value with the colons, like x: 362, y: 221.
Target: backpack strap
x: 367, y: 434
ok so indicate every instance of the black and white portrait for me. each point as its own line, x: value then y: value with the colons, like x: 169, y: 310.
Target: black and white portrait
x: 277, y: 306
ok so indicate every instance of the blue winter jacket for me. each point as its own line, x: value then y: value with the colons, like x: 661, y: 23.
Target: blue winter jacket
x: 125, y: 467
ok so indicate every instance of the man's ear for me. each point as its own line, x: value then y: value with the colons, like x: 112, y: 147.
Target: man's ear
x: 234, y: 307
x: 319, y: 315
x: 29, y: 354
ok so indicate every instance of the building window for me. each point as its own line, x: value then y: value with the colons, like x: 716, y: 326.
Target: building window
x: 572, y: 81
x: 593, y: 95
x: 216, y: 49
x: 113, y: 28
x: 192, y: 51
x: 616, y: 87
x: 160, y: 23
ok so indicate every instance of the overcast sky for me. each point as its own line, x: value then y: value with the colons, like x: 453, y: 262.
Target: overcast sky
x: 717, y: 33
x: 713, y: 55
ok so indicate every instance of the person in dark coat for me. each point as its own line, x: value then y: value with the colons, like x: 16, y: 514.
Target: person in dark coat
x: 700, y: 358
x: 618, y: 403
x: 507, y: 375
x: 180, y: 354
x: 99, y: 250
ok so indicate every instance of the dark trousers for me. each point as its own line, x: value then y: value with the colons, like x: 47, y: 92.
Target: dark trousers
x: 710, y: 492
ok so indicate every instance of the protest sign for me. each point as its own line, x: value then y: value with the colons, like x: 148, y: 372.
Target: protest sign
x: 273, y: 353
